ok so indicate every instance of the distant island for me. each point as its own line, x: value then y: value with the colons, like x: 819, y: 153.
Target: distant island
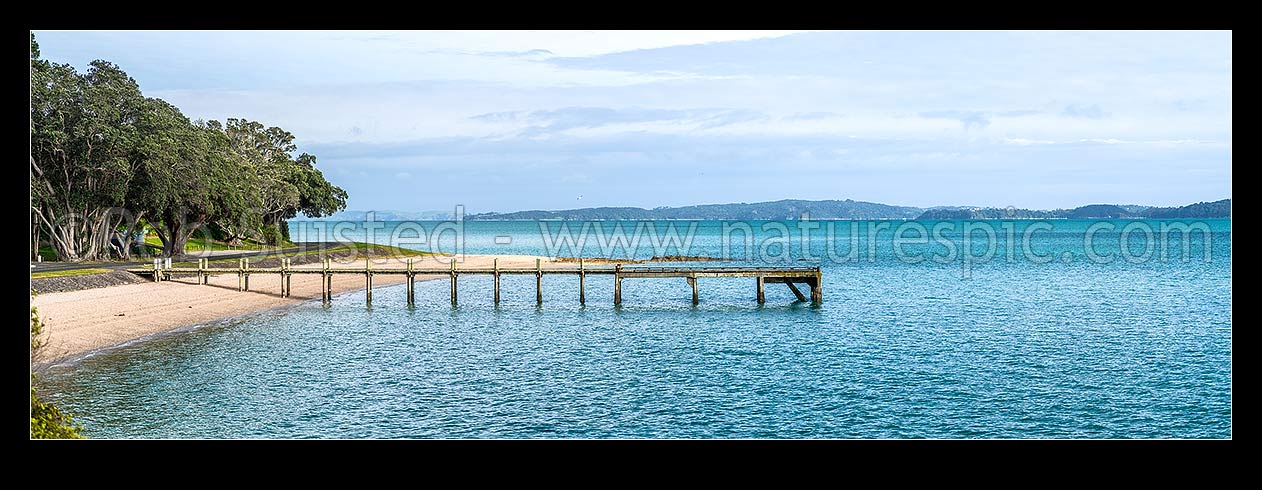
x: 791, y: 209
x: 775, y: 210
x: 1216, y: 209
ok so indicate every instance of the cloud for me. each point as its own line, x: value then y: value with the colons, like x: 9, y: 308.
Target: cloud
x: 728, y: 117
x: 557, y: 169
x: 557, y: 120
x: 811, y: 116
x: 1184, y: 105
x: 530, y: 53
x: 1110, y: 141
x: 498, y: 117
x: 970, y: 119
x: 1092, y: 111
x: 977, y: 119
x: 613, y: 144
x: 1027, y: 142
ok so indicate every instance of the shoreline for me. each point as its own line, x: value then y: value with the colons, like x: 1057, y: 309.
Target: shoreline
x: 83, y: 323
x: 69, y: 360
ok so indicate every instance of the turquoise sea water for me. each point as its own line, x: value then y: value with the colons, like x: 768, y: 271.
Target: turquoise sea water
x: 1049, y: 337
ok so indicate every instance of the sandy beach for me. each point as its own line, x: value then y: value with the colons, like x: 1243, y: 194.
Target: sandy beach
x: 82, y: 321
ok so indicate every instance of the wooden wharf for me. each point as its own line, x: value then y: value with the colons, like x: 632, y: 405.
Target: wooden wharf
x: 811, y: 277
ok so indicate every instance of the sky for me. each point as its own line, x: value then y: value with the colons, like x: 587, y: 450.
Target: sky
x: 516, y: 120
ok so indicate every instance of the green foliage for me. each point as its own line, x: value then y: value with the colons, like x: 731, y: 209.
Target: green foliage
x: 190, y: 177
x: 216, y: 231
x: 282, y: 185
x: 196, y: 244
x: 47, y: 253
x: 47, y: 421
x: 98, y: 146
x: 317, y: 197
x: 83, y: 126
x: 271, y: 235
x: 37, y: 328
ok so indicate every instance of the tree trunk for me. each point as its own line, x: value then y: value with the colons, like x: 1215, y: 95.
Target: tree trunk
x: 234, y: 234
x: 126, y: 236
x: 76, y: 236
x: 61, y: 235
x: 98, y: 234
x: 171, y: 244
x: 181, y: 237
x: 177, y: 231
x: 34, y: 237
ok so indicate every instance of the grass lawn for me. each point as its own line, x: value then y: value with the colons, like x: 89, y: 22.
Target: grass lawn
x: 47, y: 253
x: 201, y: 244
x: 78, y: 272
x: 394, y: 250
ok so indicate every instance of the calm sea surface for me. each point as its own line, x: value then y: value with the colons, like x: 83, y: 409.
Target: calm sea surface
x: 1055, y: 336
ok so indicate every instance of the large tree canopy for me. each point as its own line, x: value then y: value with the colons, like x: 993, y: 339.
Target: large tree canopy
x: 83, y: 127
x: 281, y: 185
x: 104, y: 157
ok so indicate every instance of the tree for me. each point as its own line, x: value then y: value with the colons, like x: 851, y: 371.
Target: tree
x: 40, y: 67
x: 104, y: 157
x: 282, y: 185
x: 268, y: 151
x: 189, y: 177
x: 82, y: 132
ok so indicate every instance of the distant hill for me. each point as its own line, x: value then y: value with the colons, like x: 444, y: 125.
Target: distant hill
x: 1096, y: 211
x: 792, y: 209
x: 947, y: 213
x: 775, y: 210
x: 1216, y: 209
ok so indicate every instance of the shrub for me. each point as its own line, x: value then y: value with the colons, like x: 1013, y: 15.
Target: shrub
x: 271, y: 235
